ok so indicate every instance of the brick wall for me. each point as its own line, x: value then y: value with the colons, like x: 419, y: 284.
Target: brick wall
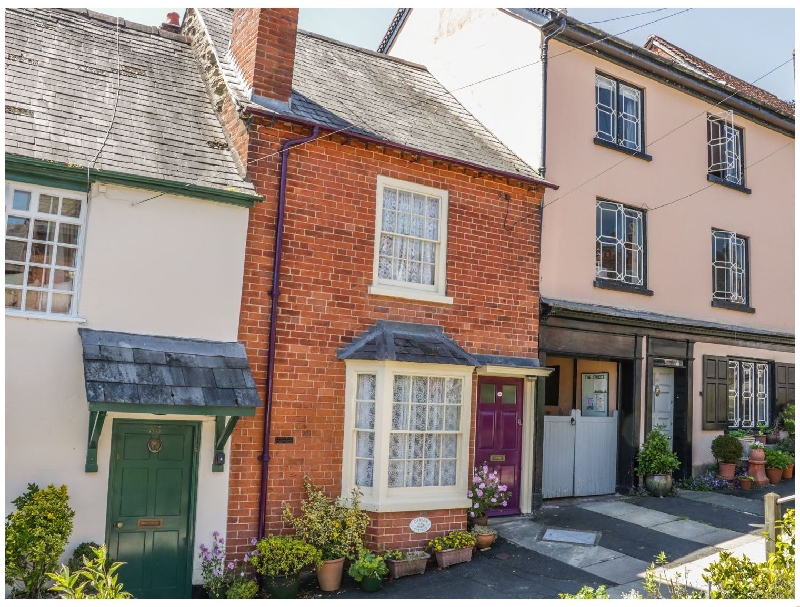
x: 492, y: 273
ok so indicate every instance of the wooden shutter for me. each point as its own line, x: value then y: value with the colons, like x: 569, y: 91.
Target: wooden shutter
x: 715, y: 393
x: 784, y: 385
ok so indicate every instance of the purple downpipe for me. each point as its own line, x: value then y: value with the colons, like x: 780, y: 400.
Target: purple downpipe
x: 273, y: 323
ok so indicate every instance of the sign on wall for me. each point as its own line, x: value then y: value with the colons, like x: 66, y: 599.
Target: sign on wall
x: 594, y: 394
x: 420, y: 524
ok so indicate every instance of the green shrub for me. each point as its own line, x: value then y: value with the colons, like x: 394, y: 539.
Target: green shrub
x: 727, y: 449
x: 368, y: 565
x: 655, y: 456
x: 36, y: 534
x: 740, y: 433
x: 740, y: 578
x: 773, y: 458
x: 92, y: 581
x: 786, y: 445
x: 787, y: 419
x: 284, y: 555
x: 587, y: 592
x: 84, y: 549
x: 242, y: 588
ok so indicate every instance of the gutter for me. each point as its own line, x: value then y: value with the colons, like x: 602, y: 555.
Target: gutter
x: 273, y: 323
x: 259, y: 111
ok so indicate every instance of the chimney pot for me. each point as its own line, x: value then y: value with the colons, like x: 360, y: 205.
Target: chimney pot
x: 173, y: 18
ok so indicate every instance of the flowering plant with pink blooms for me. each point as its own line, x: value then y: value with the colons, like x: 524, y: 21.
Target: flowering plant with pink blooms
x: 486, y: 492
x: 218, y: 578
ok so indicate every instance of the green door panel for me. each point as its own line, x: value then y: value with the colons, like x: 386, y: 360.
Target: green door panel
x: 150, y: 508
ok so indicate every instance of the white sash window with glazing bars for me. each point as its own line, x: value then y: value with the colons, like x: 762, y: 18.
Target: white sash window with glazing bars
x: 44, y: 240
x: 729, y: 266
x: 618, y: 113
x: 619, y: 243
x: 725, y: 152
x: 748, y: 393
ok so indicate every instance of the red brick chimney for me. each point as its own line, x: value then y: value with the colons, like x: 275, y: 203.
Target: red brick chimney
x: 262, y: 45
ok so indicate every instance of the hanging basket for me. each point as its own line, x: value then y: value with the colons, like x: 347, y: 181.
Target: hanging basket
x: 453, y: 556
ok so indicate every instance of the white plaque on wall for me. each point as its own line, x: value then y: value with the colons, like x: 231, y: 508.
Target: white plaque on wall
x: 420, y: 524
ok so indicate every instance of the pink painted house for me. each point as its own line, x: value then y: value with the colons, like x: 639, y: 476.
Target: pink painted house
x: 667, y: 277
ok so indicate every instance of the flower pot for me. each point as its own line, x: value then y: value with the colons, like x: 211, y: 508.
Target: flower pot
x: 755, y: 467
x: 756, y: 455
x: 282, y: 586
x: 788, y: 471
x: 406, y: 567
x: 329, y: 576
x: 727, y: 471
x: 371, y: 584
x: 745, y: 483
x: 480, y: 520
x: 772, y: 439
x: 658, y: 484
x: 774, y: 475
x: 445, y: 558
x: 484, y: 540
x: 761, y: 438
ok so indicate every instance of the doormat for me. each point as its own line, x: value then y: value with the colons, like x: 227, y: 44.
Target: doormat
x: 567, y: 536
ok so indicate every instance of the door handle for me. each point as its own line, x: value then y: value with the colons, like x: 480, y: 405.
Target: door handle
x: 519, y: 422
x: 118, y: 525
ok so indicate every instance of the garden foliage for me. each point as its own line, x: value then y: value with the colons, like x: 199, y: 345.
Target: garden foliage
x: 94, y: 580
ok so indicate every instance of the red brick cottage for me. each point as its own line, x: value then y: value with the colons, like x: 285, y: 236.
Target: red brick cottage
x: 400, y: 296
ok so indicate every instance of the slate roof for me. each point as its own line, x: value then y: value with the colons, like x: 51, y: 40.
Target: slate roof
x: 61, y: 86
x: 407, y: 342
x: 126, y: 368
x: 659, y: 46
x: 520, y: 362
x: 339, y: 86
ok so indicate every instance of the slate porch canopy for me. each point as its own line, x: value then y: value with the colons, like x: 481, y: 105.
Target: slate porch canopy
x: 149, y: 374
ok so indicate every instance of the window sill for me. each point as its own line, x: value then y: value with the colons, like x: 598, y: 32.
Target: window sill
x: 56, y: 317
x: 729, y: 305
x: 416, y: 503
x: 619, y: 148
x: 390, y: 291
x: 614, y: 285
x: 728, y: 184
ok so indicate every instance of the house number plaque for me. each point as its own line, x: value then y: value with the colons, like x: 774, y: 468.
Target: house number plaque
x: 420, y: 524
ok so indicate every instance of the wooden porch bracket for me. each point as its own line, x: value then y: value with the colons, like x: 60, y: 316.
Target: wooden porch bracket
x: 96, y: 420
x: 222, y: 433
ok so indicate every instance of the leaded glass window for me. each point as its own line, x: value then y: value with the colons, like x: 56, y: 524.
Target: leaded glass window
x: 748, y: 393
x: 725, y: 152
x: 424, y: 438
x: 365, y: 429
x: 618, y: 113
x: 729, y: 265
x: 44, y: 234
x: 620, y: 243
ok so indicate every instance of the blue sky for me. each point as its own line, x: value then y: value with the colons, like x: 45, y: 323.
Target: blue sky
x: 745, y: 42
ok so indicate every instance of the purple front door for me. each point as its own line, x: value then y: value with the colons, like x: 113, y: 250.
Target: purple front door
x: 498, y: 433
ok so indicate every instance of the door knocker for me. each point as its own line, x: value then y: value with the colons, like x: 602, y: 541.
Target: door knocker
x: 154, y: 445
x: 658, y: 390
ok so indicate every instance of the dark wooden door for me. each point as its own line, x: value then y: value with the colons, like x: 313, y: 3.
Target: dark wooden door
x: 498, y: 433
x: 150, y: 507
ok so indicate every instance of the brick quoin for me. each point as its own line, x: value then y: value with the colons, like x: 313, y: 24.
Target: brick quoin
x: 492, y: 274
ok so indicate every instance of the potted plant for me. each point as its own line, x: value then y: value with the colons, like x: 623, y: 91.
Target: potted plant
x: 335, y: 528
x: 726, y: 450
x: 368, y: 570
x: 401, y: 564
x: 775, y: 462
x: 484, y: 536
x: 279, y: 559
x: 655, y: 462
x: 760, y: 434
x: 789, y: 469
x: 787, y: 420
x: 745, y: 437
x: 487, y: 493
x: 453, y: 548
x: 746, y: 482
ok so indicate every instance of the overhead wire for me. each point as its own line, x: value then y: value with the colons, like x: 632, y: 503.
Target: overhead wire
x: 625, y: 16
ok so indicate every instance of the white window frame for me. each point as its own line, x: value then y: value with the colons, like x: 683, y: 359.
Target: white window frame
x: 617, y: 115
x: 736, y: 268
x: 748, y: 392
x: 435, y: 293
x: 379, y: 497
x: 623, y: 247
x: 33, y: 213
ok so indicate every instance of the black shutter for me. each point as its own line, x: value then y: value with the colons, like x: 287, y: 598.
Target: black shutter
x: 715, y: 393
x: 784, y: 386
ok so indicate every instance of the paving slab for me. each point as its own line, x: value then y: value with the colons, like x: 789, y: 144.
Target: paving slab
x: 587, y: 538
x: 621, y: 570
x: 688, y: 530
x: 703, y: 512
x: 637, y: 515
x: 576, y: 556
x: 725, y: 501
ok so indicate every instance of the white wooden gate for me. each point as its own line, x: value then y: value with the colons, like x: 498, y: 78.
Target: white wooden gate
x: 580, y: 455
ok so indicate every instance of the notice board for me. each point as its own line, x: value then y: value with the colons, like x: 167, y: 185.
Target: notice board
x: 594, y: 394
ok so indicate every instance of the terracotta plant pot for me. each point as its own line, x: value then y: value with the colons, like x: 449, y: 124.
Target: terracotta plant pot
x: 727, y: 471
x: 755, y: 467
x: 481, y: 520
x: 329, y: 576
x: 658, y: 484
x: 760, y: 438
x: 745, y: 483
x: 772, y: 439
x: 788, y: 471
x: 774, y: 475
x: 371, y: 584
x: 406, y: 567
x: 453, y: 556
x: 756, y: 455
x: 484, y: 540
x: 282, y: 586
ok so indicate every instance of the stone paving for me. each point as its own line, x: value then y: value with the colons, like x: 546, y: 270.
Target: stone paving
x: 609, y: 540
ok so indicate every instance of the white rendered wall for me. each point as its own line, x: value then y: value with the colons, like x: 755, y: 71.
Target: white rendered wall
x: 171, y: 266
x: 463, y: 46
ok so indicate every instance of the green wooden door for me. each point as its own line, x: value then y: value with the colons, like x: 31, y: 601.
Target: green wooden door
x: 151, y: 504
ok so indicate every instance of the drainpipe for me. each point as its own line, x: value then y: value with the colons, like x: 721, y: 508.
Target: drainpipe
x: 273, y: 323
x: 560, y: 29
